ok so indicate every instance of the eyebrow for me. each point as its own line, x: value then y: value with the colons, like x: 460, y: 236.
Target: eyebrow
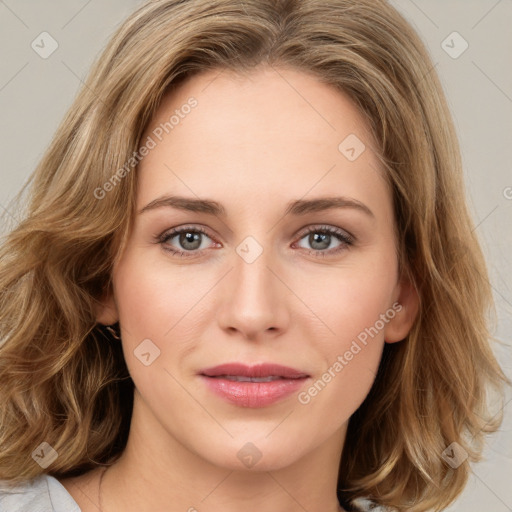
x: 297, y: 208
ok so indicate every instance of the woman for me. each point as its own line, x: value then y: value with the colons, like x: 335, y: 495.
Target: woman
x: 247, y: 278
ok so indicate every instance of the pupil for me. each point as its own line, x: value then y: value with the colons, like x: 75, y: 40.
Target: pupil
x: 189, y: 238
x: 322, y: 239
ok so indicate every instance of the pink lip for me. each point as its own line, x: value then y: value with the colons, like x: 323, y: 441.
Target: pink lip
x: 253, y: 394
x: 258, y: 370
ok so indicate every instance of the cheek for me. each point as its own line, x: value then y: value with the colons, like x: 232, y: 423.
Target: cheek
x: 350, y: 300
x: 161, y: 304
x: 358, y: 306
x: 355, y: 307
x: 358, y: 338
x: 351, y: 353
x: 153, y: 299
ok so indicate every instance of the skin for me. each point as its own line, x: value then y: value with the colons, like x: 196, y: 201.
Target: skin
x: 255, y: 142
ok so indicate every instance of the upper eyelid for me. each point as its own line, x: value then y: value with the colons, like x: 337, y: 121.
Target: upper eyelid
x: 326, y: 227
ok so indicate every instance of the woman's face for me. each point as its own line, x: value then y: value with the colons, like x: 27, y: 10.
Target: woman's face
x: 290, y: 259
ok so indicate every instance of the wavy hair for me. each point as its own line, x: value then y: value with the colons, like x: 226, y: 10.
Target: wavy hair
x: 63, y: 383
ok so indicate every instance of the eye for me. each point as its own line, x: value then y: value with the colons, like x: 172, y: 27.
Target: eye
x: 188, y: 238
x: 188, y: 241
x: 320, y: 238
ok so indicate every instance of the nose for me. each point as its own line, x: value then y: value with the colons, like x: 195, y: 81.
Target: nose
x: 254, y: 300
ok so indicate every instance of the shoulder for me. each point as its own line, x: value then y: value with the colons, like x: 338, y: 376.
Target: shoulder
x: 44, y: 493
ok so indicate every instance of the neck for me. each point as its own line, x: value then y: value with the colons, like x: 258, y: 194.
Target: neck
x: 100, y: 489
x: 151, y: 474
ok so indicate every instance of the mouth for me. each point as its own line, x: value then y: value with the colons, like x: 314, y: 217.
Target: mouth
x: 260, y: 371
x: 240, y: 378
x: 253, y: 386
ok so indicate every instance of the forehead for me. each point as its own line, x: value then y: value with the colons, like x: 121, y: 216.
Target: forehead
x: 261, y: 132
x: 269, y: 98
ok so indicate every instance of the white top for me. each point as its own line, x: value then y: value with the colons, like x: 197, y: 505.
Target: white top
x: 42, y: 494
x: 46, y: 494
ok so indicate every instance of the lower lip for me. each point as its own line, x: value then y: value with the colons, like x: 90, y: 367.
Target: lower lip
x: 253, y: 394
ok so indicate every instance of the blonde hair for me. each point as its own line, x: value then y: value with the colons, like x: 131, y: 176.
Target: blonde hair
x: 62, y: 383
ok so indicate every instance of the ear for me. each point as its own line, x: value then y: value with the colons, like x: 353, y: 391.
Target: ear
x: 406, y: 308
x: 106, y: 309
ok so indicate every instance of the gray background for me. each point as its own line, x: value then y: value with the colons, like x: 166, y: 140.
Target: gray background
x: 36, y: 92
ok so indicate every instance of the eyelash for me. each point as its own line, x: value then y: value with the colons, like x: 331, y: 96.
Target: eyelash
x: 346, y: 239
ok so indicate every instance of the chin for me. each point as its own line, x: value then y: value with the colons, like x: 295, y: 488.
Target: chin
x: 256, y: 456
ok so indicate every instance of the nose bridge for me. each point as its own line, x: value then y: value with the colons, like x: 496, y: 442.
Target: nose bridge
x: 254, y: 296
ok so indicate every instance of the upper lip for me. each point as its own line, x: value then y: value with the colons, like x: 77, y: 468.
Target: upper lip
x: 258, y: 370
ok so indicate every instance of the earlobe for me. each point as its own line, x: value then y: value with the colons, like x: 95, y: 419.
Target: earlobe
x: 405, y: 314
x: 106, y: 310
